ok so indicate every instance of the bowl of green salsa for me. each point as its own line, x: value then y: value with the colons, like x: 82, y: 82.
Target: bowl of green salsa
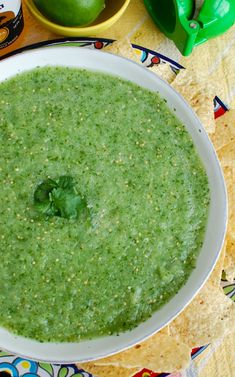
x: 113, y: 204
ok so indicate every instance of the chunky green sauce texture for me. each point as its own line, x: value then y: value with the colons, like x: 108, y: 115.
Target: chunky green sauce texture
x: 146, y: 192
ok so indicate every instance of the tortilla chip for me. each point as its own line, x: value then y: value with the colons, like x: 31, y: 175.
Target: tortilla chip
x: 224, y: 130
x: 216, y: 274
x: 159, y: 353
x: 164, y: 71
x: 145, y: 34
x: 210, y: 316
x: 218, y: 360
x: 229, y: 175
x: 123, y: 48
x: 229, y: 260
x: 164, y: 331
x: 199, y: 94
x: 226, y: 156
x: 108, y: 370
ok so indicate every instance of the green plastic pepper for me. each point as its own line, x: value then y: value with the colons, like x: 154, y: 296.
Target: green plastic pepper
x: 188, y: 26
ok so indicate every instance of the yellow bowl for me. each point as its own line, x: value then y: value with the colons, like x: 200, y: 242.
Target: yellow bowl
x: 112, y: 12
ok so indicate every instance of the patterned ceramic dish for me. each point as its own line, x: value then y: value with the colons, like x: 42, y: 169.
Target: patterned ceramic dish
x: 99, y: 61
x: 112, y: 12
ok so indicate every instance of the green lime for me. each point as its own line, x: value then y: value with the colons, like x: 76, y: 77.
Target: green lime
x: 71, y: 12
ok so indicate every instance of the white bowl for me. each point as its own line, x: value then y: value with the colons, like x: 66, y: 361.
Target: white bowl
x: 104, y: 62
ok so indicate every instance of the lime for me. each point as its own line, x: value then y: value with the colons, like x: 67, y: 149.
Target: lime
x: 71, y: 12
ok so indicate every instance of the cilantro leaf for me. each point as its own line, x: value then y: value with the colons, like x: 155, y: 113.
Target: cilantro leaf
x: 59, y: 198
x: 69, y: 204
x: 66, y: 182
x: 43, y: 190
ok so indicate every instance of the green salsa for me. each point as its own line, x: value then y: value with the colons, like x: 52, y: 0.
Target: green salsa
x: 135, y: 212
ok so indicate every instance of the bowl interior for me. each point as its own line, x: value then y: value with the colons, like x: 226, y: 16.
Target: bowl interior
x: 111, y: 8
x: 104, y: 62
